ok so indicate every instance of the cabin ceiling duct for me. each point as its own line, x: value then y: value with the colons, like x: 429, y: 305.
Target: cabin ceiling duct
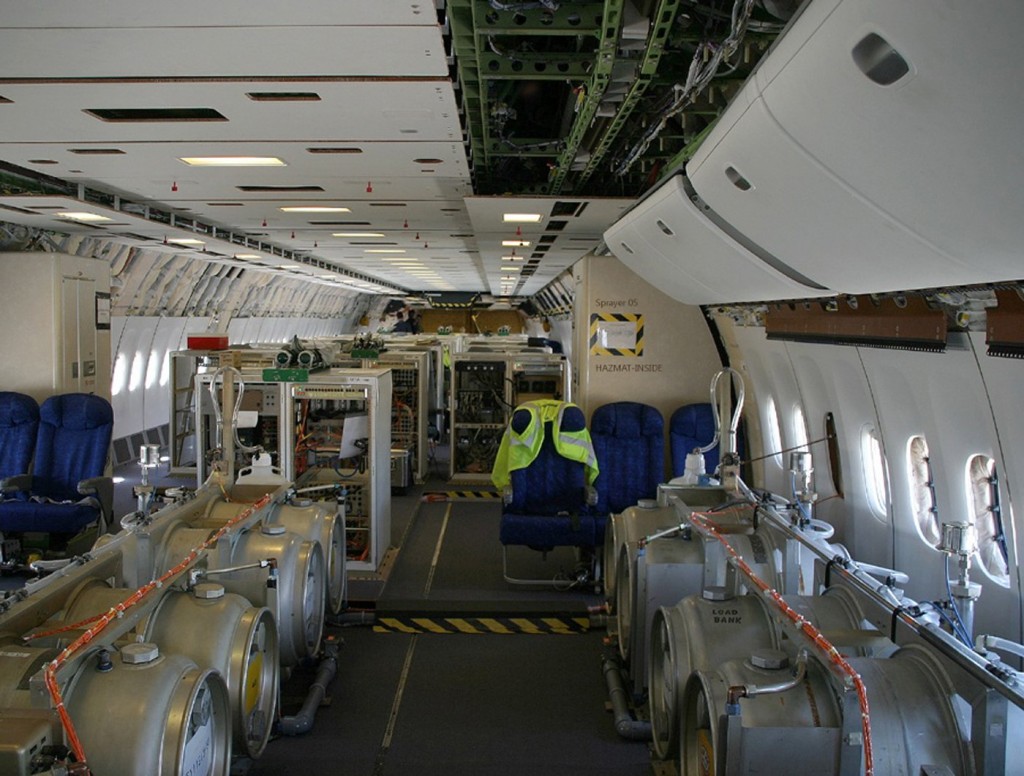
x: 1004, y: 325
x: 899, y: 322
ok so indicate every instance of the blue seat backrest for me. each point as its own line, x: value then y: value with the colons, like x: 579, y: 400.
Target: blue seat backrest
x: 692, y: 425
x: 72, y: 445
x: 551, y: 484
x: 629, y: 442
x: 19, y: 424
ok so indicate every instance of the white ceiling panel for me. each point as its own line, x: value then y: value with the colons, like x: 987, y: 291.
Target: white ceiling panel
x: 346, y: 111
x: 223, y: 13
x: 191, y: 52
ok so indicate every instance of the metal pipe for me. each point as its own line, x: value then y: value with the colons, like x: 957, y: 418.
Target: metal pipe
x: 625, y: 725
x: 979, y: 668
x: 986, y: 642
x: 726, y: 438
x: 752, y: 690
x: 303, y: 721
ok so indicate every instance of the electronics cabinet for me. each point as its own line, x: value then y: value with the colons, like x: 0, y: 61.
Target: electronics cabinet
x: 261, y: 401
x: 337, y: 431
x: 486, y: 388
x: 410, y: 372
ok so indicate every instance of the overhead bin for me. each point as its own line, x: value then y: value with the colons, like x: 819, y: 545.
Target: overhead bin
x: 875, y: 150
x: 671, y: 243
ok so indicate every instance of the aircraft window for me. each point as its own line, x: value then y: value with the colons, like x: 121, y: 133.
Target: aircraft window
x: 800, y: 429
x: 152, y: 368
x: 120, y: 376
x: 922, y: 491
x: 138, y: 366
x: 165, y: 370
x: 774, y: 437
x: 989, y: 518
x: 875, y: 468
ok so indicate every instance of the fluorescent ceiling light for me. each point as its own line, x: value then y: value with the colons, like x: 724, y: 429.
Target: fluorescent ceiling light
x: 511, y: 258
x: 328, y: 277
x: 232, y: 161
x: 186, y: 241
x: 247, y: 256
x: 384, y: 250
x: 84, y: 216
x: 288, y: 266
x: 357, y: 234
x: 515, y: 243
x: 521, y: 218
x: 511, y: 269
x: 313, y: 209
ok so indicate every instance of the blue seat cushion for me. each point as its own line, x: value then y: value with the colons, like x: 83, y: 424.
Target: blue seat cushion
x: 544, y: 532
x: 45, y: 517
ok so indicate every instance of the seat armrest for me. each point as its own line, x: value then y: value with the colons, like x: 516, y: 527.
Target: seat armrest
x: 103, y: 489
x: 15, y: 483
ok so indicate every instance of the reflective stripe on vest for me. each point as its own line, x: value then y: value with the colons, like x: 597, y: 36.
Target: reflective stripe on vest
x: 519, y: 449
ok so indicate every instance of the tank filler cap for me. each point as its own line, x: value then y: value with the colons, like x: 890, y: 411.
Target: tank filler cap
x: 716, y: 593
x: 273, y: 530
x: 647, y: 503
x: 139, y: 654
x: 769, y: 659
x: 208, y: 591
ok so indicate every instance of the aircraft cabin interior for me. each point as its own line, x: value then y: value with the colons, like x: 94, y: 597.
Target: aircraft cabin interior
x: 506, y: 387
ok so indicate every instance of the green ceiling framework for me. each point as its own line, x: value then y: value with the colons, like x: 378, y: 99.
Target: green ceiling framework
x: 518, y: 60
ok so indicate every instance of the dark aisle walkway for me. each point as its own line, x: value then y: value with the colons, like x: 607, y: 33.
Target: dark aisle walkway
x: 443, y: 704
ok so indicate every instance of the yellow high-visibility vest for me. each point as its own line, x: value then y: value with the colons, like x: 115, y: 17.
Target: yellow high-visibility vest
x: 519, y: 449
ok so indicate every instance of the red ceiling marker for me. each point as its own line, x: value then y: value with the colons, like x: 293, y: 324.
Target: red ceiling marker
x: 174, y: 185
x: 264, y: 222
x: 519, y: 231
x: 369, y: 187
x: 406, y: 224
x: 293, y: 234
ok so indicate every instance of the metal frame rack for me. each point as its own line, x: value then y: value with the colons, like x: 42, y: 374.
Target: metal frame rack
x: 410, y: 370
x: 316, y: 413
x: 485, y: 389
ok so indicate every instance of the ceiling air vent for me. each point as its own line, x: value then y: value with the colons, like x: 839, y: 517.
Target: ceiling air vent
x: 567, y: 208
x: 279, y: 189
x: 155, y: 114
x: 336, y: 150
x: 283, y: 96
x: 96, y: 151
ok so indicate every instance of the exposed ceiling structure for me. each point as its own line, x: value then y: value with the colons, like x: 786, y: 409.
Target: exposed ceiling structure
x: 380, y: 142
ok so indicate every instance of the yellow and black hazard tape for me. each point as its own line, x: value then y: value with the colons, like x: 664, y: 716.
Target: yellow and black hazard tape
x: 559, y: 626
x: 636, y: 325
x: 461, y: 495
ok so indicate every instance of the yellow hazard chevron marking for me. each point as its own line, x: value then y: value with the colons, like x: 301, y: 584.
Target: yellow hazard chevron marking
x: 560, y: 626
x: 461, y: 495
x: 598, y: 349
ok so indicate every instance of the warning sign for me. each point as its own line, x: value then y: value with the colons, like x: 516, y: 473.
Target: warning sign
x: 616, y: 334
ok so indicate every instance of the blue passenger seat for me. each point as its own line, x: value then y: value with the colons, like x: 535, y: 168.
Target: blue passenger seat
x: 19, y: 424
x: 691, y: 426
x: 629, y: 440
x: 67, y: 490
x: 546, y: 502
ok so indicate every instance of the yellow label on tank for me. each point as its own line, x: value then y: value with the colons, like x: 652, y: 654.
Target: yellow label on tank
x: 253, y: 682
x: 705, y: 754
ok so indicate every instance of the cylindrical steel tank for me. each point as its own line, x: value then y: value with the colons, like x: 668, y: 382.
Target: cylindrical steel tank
x: 913, y: 721
x: 147, y: 713
x: 216, y: 630
x: 299, y: 596
x: 704, y: 630
x: 625, y: 530
x: 314, y: 521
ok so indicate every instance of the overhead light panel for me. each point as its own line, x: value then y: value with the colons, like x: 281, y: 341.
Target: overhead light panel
x: 522, y: 218
x: 186, y: 241
x: 313, y: 209
x: 515, y: 243
x: 510, y: 269
x: 384, y: 250
x: 248, y: 256
x: 84, y: 217
x: 232, y: 161
x: 289, y: 266
x: 357, y: 234
x: 511, y: 258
